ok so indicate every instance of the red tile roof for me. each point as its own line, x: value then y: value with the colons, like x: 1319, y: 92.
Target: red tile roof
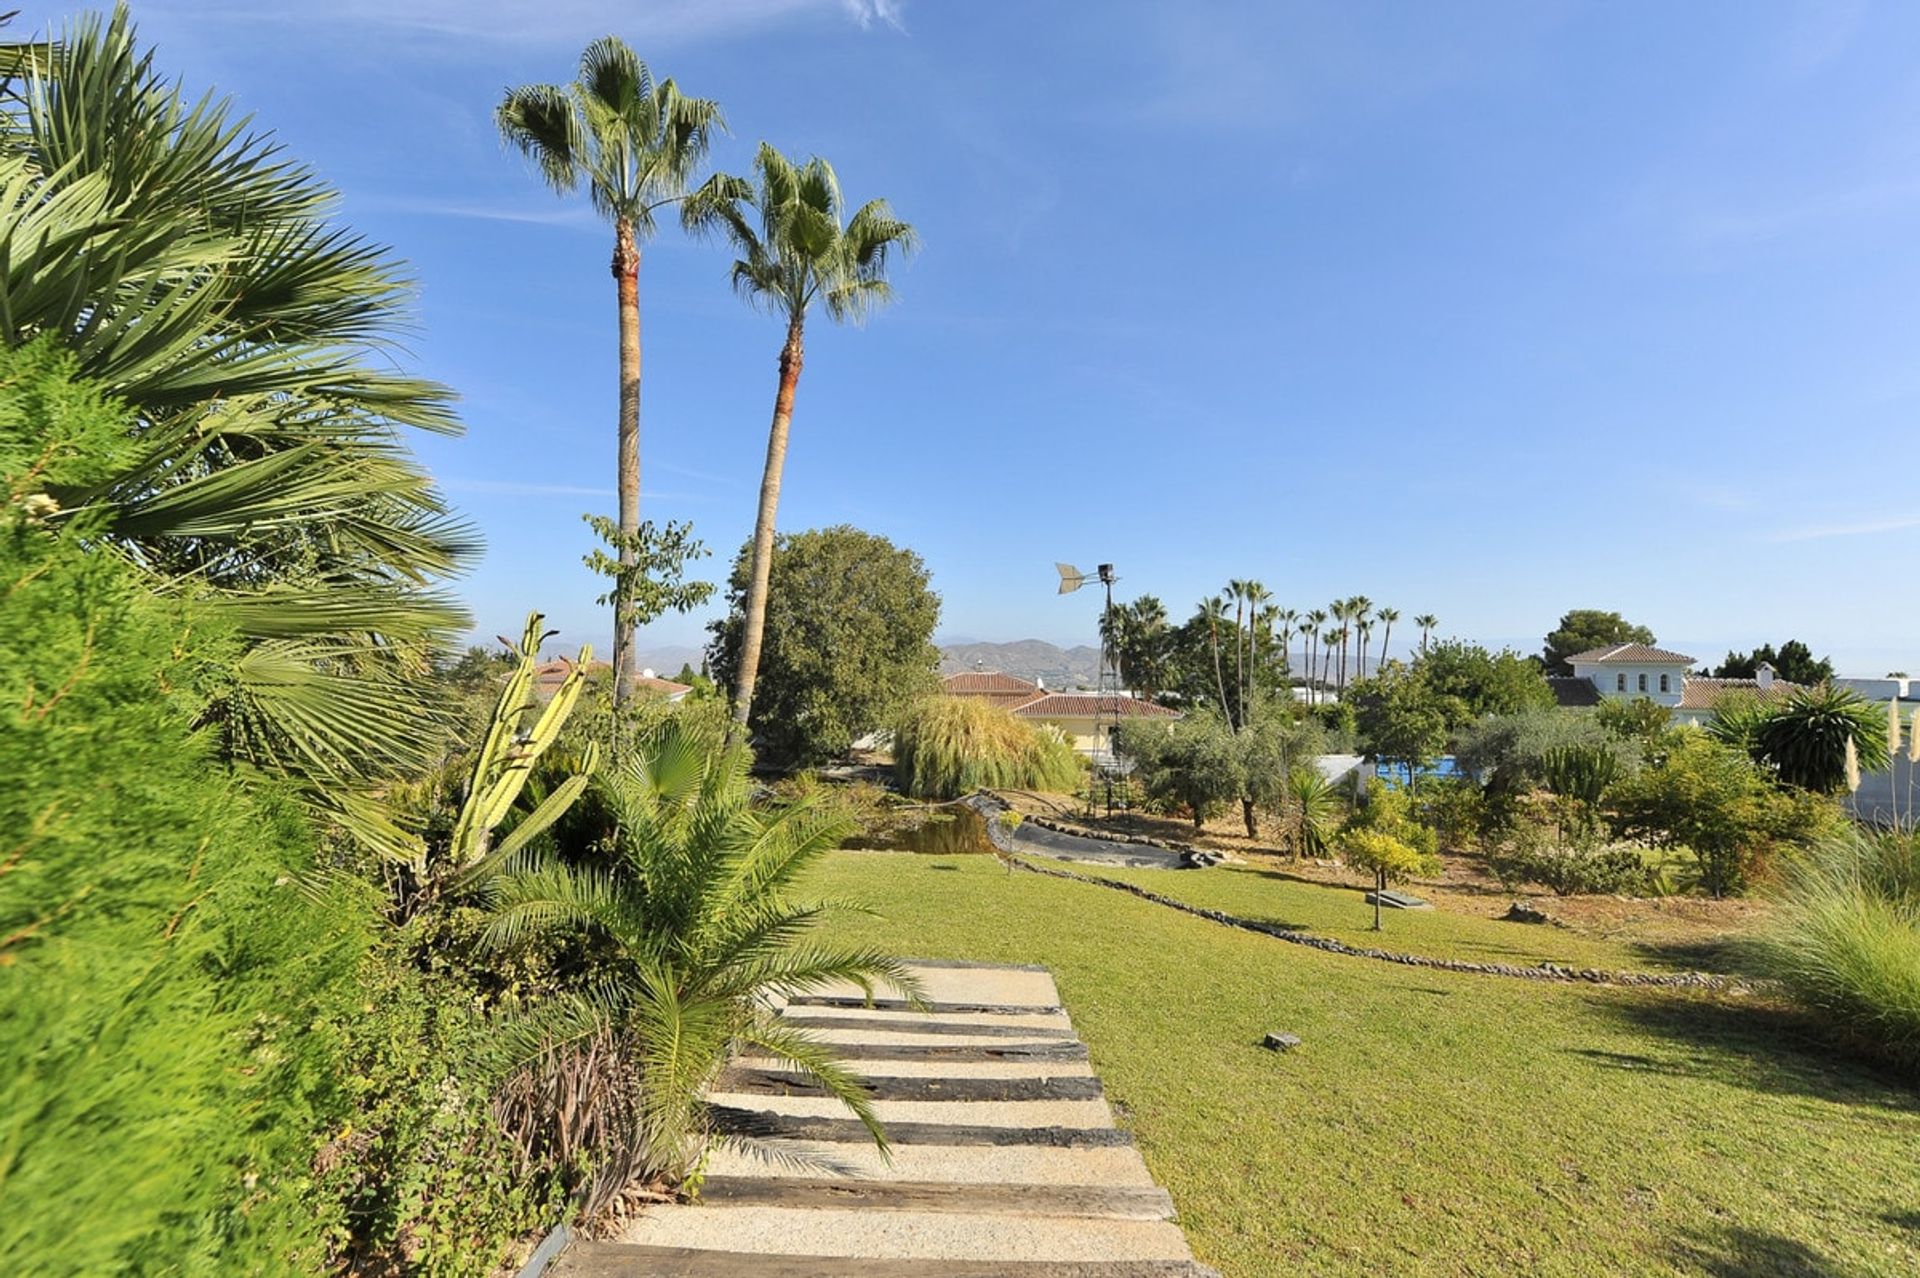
x: 1088, y: 705
x: 991, y: 686
x: 549, y: 675
x: 1631, y: 652
x: 1705, y: 694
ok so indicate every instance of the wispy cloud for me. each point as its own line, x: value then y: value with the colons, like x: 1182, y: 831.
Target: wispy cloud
x: 1864, y: 528
x: 574, y: 215
x: 517, y: 488
x: 551, y: 22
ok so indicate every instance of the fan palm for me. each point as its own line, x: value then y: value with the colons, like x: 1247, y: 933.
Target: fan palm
x: 795, y: 250
x: 1386, y: 617
x: 156, y: 249
x: 694, y: 912
x: 1314, y: 620
x: 1426, y: 621
x: 633, y: 143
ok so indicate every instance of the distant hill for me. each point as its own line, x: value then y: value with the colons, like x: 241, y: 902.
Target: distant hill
x: 1034, y: 659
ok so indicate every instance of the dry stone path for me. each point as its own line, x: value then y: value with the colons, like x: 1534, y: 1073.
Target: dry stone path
x: 1006, y: 1162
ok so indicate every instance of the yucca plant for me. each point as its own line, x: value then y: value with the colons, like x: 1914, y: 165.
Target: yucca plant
x: 1846, y: 938
x: 694, y: 914
x: 191, y: 272
x: 945, y: 747
x: 1314, y: 811
x: 1819, y: 739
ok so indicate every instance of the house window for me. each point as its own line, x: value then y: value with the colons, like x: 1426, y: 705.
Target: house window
x: 1620, y: 682
x: 1665, y: 685
x: 1643, y: 683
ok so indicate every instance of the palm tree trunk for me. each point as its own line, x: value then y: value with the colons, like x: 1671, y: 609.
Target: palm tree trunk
x: 791, y: 356
x: 626, y: 274
x: 1238, y: 717
x: 1386, y: 637
x: 1219, y: 677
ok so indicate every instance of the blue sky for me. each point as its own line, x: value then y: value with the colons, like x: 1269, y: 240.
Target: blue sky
x: 1485, y: 309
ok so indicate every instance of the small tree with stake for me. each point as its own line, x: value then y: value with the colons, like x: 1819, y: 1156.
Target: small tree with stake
x: 1388, y: 859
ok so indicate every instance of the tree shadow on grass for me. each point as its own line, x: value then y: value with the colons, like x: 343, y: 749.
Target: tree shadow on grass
x: 1727, y: 955
x: 1763, y: 1047
x: 1735, y: 1252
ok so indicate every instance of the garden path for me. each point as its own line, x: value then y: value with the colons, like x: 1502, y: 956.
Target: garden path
x: 1005, y: 1161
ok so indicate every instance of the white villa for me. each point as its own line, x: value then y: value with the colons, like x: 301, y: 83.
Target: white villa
x: 1632, y: 671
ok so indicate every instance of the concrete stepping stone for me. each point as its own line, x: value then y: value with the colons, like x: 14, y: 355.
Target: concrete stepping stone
x: 617, y: 1260
x: 990, y: 1164
x: 1004, y: 1160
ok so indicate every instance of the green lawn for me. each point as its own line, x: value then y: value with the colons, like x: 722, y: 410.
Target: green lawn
x: 1273, y: 896
x: 1435, y: 1123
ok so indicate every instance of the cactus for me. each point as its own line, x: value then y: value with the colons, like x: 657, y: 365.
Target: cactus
x: 506, y: 760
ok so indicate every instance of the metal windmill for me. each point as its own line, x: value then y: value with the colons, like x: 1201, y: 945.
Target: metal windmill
x: 1106, y: 712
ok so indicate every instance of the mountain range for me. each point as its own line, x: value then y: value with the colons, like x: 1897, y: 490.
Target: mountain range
x: 1034, y: 659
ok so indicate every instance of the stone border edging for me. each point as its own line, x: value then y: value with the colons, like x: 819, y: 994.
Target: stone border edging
x: 1544, y: 972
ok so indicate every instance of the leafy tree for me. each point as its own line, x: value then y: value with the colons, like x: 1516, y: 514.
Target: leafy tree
x: 700, y: 924
x: 191, y: 275
x: 1483, y: 682
x: 634, y: 143
x: 848, y: 640
x: 1192, y: 761
x: 1401, y: 719
x: 799, y: 253
x: 1510, y: 753
x: 648, y: 575
x: 1806, y: 738
x: 1388, y: 859
x: 1794, y: 662
x: 1586, y: 628
x: 1638, y: 719
x: 1712, y: 800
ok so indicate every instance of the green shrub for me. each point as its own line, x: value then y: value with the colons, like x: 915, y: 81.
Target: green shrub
x: 1846, y: 940
x: 1392, y: 810
x: 169, y: 968
x: 944, y: 747
x: 1530, y: 854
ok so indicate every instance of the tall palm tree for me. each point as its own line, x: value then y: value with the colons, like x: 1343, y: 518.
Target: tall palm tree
x: 1237, y: 590
x: 1426, y: 621
x: 1327, y: 641
x: 152, y: 248
x: 633, y: 143
x: 1259, y: 621
x: 795, y: 250
x: 1315, y: 619
x: 1285, y: 622
x: 1212, y: 613
x: 1386, y: 617
x: 1360, y: 616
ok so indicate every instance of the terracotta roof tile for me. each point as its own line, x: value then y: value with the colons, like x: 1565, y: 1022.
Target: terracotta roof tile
x: 1631, y: 652
x: 1091, y: 704
x: 986, y: 683
x: 1705, y: 694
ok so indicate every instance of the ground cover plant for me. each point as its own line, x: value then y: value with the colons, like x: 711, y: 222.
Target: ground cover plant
x: 1434, y: 1123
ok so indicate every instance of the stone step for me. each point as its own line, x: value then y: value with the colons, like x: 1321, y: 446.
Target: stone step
x: 1105, y: 1202
x: 747, y: 1080
x: 905, y: 1235
x: 620, y: 1260
x: 1037, y: 1018
x: 1009, y: 1113
x: 860, y: 1002
x: 735, y: 1120
x: 945, y: 983
x: 1045, y: 1029
x: 933, y: 1054
x: 997, y: 1164
x: 949, y: 1067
